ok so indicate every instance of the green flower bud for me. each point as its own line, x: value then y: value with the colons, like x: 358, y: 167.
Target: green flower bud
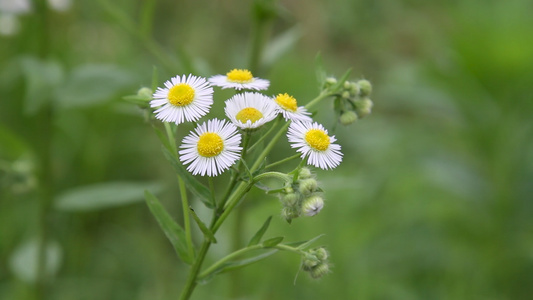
x: 354, y: 89
x: 312, y: 205
x: 145, y: 93
x: 331, y: 81
x: 289, y: 190
x: 348, y: 117
x: 290, y: 199
x: 347, y: 85
x: 305, y: 173
x: 289, y: 213
x: 308, y: 186
x: 345, y: 95
x: 319, y: 271
x: 363, y: 107
x: 365, y: 87
x: 309, y: 262
x: 321, y: 253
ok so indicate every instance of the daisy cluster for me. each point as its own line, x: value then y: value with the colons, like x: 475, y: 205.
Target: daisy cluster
x: 214, y: 146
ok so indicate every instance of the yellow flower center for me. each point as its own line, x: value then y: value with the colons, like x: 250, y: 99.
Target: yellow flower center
x: 239, y: 76
x: 249, y: 113
x: 287, y: 102
x: 317, y: 139
x: 210, y: 144
x: 181, y: 95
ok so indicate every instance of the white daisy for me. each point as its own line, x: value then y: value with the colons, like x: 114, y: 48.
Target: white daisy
x: 212, y: 148
x: 288, y: 106
x: 239, y: 79
x: 183, y: 99
x: 313, y: 140
x: 250, y: 110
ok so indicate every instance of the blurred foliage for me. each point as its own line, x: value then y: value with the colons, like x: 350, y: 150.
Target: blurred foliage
x: 432, y: 201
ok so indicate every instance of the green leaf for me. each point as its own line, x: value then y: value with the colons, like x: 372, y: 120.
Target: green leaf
x: 23, y: 262
x: 341, y: 81
x: 259, y: 234
x: 89, y: 85
x: 305, y: 244
x: 163, y: 138
x: 202, y: 226
x: 320, y: 71
x: 103, y: 195
x: 248, y: 175
x: 272, y: 242
x: 233, y: 265
x: 198, y: 189
x: 172, y: 230
x: 155, y: 78
x: 42, y: 80
x: 280, y: 45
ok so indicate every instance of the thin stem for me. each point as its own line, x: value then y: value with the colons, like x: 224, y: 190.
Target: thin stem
x: 227, y: 258
x: 235, y: 177
x: 242, y: 189
x: 269, y: 147
x: 193, y: 274
x: 186, y: 218
x: 320, y: 97
x: 264, y: 136
x: 212, y: 188
x: 282, y: 161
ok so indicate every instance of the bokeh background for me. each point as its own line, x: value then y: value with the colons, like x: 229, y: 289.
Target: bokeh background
x: 432, y: 201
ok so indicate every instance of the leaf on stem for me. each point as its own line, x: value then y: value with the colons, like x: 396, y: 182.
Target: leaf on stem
x: 304, y: 244
x: 320, y: 71
x: 172, y: 230
x: 233, y: 265
x: 207, y: 233
x: 272, y: 242
x: 259, y: 234
x: 198, y: 189
x: 341, y: 81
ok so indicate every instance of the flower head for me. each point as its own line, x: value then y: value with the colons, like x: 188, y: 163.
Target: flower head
x: 239, y: 79
x: 250, y: 110
x: 288, y: 106
x: 183, y: 99
x: 212, y: 148
x: 311, y: 139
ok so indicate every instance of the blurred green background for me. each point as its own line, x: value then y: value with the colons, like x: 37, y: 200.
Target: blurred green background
x: 433, y: 198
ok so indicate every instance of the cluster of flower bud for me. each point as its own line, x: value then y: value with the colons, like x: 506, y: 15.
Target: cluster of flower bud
x: 353, y: 102
x: 315, y: 262
x: 301, y: 197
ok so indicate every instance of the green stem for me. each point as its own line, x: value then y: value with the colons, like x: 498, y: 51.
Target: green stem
x: 195, y: 269
x: 186, y: 218
x: 320, y: 97
x: 235, y: 177
x: 233, y: 200
x: 282, y: 161
x: 264, y: 136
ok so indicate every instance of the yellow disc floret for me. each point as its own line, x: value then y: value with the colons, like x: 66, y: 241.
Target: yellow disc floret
x: 239, y: 76
x: 287, y: 102
x: 249, y: 114
x: 210, y: 144
x: 181, y: 95
x: 317, y: 139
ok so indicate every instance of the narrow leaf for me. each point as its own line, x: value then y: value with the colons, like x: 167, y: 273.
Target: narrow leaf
x: 154, y: 79
x: 163, y: 138
x: 200, y: 190
x: 237, y: 265
x: 272, y: 242
x: 202, y: 226
x: 320, y: 71
x: 305, y: 244
x: 172, y: 230
x: 259, y: 234
x: 341, y: 81
x: 248, y: 173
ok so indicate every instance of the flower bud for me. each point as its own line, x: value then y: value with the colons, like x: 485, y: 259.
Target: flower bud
x: 319, y: 271
x: 312, y: 205
x: 290, y: 199
x: 347, y: 84
x: 289, y: 213
x: 348, y: 117
x: 345, y: 95
x: 289, y: 190
x: 354, y: 89
x: 364, y: 107
x: 304, y: 173
x: 321, y: 253
x: 365, y: 87
x: 331, y: 81
x: 145, y: 93
x: 308, y: 186
x: 309, y: 262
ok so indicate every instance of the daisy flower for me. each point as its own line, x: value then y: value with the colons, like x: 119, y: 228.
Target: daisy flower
x: 239, y: 79
x: 311, y: 139
x: 212, y: 148
x: 288, y: 106
x: 250, y: 110
x: 183, y: 99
